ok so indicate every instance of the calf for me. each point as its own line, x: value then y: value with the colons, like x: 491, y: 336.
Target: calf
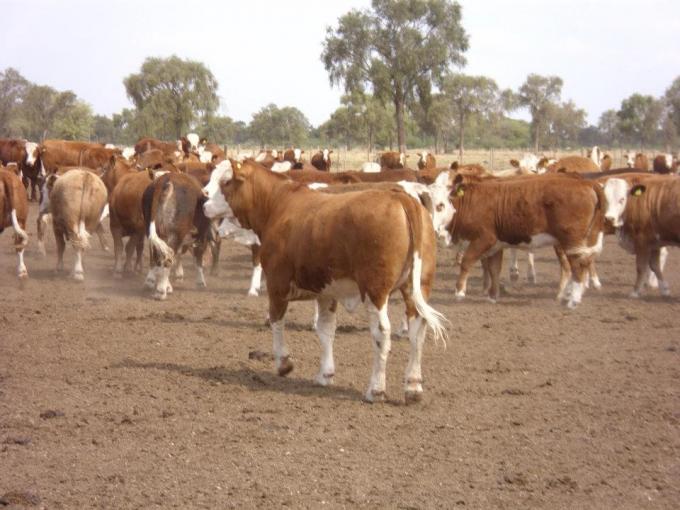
x: 14, y: 213
x: 645, y: 210
x: 426, y: 161
x: 322, y: 160
x: 77, y: 203
x: 664, y: 164
x: 367, y: 244
x: 173, y: 216
x: 393, y: 160
x: 530, y: 213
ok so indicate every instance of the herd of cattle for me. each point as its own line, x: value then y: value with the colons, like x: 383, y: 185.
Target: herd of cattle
x: 370, y: 233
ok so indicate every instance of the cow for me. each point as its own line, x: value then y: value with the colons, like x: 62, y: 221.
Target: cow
x: 367, y: 244
x: 528, y: 164
x: 174, y: 219
x: 595, y: 155
x: 170, y: 149
x: 78, y: 202
x: 26, y: 155
x: 664, y: 164
x: 426, y: 161
x: 606, y: 163
x: 293, y: 155
x: 645, y: 210
x: 528, y: 213
x: 322, y: 160
x: 14, y: 213
x: 56, y: 153
x: 404, y: 174
x: 638, y: 161
x: 392, y: 160
x: 126, y: 219
x: 310, y: 176
x: 573, y: 164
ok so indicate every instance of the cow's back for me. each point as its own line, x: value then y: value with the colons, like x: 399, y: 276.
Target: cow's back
x: 78, y: 195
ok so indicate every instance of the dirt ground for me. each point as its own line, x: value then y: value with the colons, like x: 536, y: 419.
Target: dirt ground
x: 109, y: 399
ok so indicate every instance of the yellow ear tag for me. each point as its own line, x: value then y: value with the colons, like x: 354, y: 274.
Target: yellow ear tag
x: 637, y: 192
x: 238, y: 165
x: 460, y: 192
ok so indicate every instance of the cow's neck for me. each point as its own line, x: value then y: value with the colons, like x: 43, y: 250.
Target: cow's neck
x: 267, y: 191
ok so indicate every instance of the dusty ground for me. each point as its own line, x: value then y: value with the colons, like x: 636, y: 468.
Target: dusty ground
x: 109, y: 399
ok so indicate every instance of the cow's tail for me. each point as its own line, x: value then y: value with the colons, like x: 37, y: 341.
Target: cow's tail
x: 165, y: 252
x: 14, y: 190
x: 20, y: 232
x: 434, y: 319
x: 80, y: 238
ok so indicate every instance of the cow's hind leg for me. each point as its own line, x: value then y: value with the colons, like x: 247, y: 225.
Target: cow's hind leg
x: 565, y: 273
x: 642, y: 263
x: 579, y: 269
x: 277, y: 310
x: 78, y: 272
x: 474, y: 251
x: 657, y: 270
x: 531, y: 268
x: 256, y: 278
x: 102, y: 238
x: 514, y: 266
x: 379, y: 324
x: 61, y: 246
x: 325, y: 328
x: 19, y: 247
x: 198, y: 251
x: 494, y: 266
x: 417, y: 329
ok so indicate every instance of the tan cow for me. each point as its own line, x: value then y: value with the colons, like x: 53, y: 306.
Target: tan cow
x: 14, y: 213
x: 560, y: 211
x: 366, y: 245
x: 645, y: 209
x: 77, y: 202
x: 426, y: 161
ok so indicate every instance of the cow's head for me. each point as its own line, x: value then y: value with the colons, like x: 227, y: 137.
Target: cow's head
x: 216, y: 205
x: 616, y: 193
x: 629, y: 158
x: 595, y: 155
x: 529, y: 163
x: 327, y: 155
x: 297, y: 154
x: 32, y: 153
x: 193, y: 140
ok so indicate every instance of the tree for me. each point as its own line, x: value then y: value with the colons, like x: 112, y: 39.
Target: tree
x: 639, y: 118
x: 13, y: 86
x: 540, y: 94
x: 397, y: 48
x: 608, y: 126
x: 470, y: 96
x: 218, y: 129
x: 566, y: 122
x: 170, y: 94
x: 672, y: 98
x: 104, y: 129
x: 74, y: 123
x: 286, y: 126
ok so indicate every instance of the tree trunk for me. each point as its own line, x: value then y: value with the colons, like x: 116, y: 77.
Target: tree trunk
x: 401, y: 129
x: 370, y: 142
x: 460, y: 140
x: 536, y: 131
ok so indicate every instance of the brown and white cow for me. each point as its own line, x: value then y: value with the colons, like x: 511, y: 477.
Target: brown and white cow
x: 293, y: 155
x: 78, y: 202
x: 14, y: 213
x: 322, y: 160
x: 174, y: 220
x: 171, y: 149
x: 573, y: 164
x: 565, y: 212
x: 426, y: 161
x: 637, y: 160
x: 665, y: 164
x: 367, y: 244
x: 26, y: 155
x: 56, y: 153
x: 645, y: 210
x: 393, y: 160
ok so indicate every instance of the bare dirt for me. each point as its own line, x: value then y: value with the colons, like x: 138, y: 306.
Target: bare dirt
x: 109, y: 399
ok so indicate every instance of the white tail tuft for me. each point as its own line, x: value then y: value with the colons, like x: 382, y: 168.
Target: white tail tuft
x: 105, y: 213
x: 166, y: 253
x: 434, y: 319
x: 17, y: 228
x: 81, y: 237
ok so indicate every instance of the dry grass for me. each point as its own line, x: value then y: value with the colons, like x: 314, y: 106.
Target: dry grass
x: 496, y: 159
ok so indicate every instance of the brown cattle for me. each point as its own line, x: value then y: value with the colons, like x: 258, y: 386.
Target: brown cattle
x: 638, y: 161
x: 528, y: 212
x: 56, y: 153
x: 573, y: 164
x: 174, y: 220
x: 664, y: 164
x: 293, y: 155
x: 169, y: 148
x: 366, y: 245
x: 645, y: 209
x: 606, y: 163
x: 77, y: 204
x: 393, y: 160
x: 426, y: 161
x: 14, y: 213
x: 322, y: 160
x: 127, y: 220
x: 404, y: 174
x: 26, y: 155
x: 310, y: 176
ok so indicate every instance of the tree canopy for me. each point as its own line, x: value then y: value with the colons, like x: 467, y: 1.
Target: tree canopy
x: 398, y: 48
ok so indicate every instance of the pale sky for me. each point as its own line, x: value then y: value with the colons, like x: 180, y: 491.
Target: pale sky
x: 265, y: 52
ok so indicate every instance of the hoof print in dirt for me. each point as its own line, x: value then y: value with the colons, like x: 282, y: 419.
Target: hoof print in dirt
x: 260, y: 356
x: 19, y: 498
x: 51, y: 413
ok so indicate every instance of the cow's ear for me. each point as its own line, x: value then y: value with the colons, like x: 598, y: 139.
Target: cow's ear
x: 638, y: 190
x: 239, y: 172
x: 330, y: 152
x: 112, y: 159
x: 454, y: 165
x: 514, y: 162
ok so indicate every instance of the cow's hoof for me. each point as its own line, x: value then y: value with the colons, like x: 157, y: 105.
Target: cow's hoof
x: 201, y: 285
x: 285, y: 367
x: 160, y: 296
x: 79, y: 277
x: 324, y: 379
x: 374, y: 396
x: 531, y: 279
x: 117, y: 275
x: 253, y: 293
x: 634, y: 295
x: 149, y: 283
x: 413, y: 397
x: 514, y: 277
x: 460, y: 296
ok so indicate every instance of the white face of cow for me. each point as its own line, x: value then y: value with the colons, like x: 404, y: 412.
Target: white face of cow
x: 442, y: 208
x: 205, y: 156
x: 128, y: 152
x: 325, y: 155
x: 669, y: 161
x: 216, y: 206
x: 616, y: 193
x: 529, y: 162
x: 402, y: 159
x: 596, y: 155
x: 31, y: 153
x: 629, y: 158
x: 193, y: 141
x: 296, y: 155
